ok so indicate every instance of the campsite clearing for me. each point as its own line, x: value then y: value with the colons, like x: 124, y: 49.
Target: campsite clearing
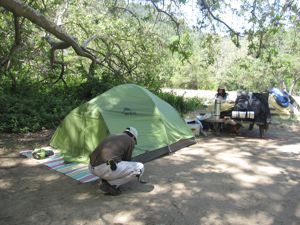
x: 221, y: 180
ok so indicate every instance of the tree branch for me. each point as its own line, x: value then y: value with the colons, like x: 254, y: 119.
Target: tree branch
x: 130, y: 12
x: 57, y: 45
x: 177, y: 24
x: 62, y: 72
x: 17, y: 44
x: 21, y: 9
x: 207, y: 7
x: 60, y: 13
x: 86, y: 42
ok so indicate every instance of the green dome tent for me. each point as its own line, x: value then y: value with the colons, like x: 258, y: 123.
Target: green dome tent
x: 160, y: 127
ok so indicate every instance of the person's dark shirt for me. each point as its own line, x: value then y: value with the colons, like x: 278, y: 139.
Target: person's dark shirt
x: 116, y: 147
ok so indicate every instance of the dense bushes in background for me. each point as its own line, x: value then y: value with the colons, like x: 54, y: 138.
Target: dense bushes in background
x: 181, y: 104
x: 34, y: 106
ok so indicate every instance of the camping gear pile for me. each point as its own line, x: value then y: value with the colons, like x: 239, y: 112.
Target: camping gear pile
x: 281, y: 102
x: 249, y: 108
x: 252, y: 107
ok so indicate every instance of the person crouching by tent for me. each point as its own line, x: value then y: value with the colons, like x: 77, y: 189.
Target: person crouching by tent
x: 111, y: 161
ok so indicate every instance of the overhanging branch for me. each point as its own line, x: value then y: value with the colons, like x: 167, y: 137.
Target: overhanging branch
x: 173, y: 19
x: 21, y: 9
x: 207, y: 7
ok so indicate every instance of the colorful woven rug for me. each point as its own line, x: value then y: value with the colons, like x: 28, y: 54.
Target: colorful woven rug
x: 77, y: 171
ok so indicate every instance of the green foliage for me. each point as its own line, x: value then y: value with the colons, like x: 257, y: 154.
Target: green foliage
x: 180, y: 103
x: 182, y: 46
x: 248, y: 74
x: 34, y: 106
x: 198, y: 71
x: 30, y: 110
x: 235, y: 39
x: 135, y: 45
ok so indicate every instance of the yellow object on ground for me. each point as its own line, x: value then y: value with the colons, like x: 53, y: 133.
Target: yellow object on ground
x: 225, y: 105
x: 277, y: 109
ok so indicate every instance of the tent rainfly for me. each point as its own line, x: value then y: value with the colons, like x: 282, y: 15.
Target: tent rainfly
x: 160, y: 127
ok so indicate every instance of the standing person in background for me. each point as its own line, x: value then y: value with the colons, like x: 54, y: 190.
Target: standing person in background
x: 111, y: 161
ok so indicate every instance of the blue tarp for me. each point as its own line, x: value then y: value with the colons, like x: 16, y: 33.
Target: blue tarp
x: 281, y: 97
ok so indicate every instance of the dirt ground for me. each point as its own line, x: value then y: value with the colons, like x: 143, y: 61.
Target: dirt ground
x: 237, y: 180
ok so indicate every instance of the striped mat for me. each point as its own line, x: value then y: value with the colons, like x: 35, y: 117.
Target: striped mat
x: 77, y: 171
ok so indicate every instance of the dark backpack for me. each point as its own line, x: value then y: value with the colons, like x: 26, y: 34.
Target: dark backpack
x: 242, y: 103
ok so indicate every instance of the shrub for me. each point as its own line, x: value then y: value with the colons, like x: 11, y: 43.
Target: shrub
x: 34, y: 106
x: 181, y: 104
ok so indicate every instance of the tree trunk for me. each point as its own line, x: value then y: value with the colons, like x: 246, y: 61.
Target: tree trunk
x: 15, y: 47
x: 6, y: 62
x: 283, y: 85
x: 295, y: 81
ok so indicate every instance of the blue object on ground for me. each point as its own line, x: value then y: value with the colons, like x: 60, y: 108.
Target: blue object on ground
x: 281, y: 97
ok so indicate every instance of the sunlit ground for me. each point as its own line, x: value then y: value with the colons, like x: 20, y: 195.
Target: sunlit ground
x: 226, y: 179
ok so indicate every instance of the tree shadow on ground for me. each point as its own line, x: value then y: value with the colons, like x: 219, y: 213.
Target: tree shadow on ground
x: 221, y: 180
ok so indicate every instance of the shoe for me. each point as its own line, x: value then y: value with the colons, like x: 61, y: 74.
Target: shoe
x: 103, y: 187
x: 140, y: 180
x: 109, y: 189
x: 143, y: 182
